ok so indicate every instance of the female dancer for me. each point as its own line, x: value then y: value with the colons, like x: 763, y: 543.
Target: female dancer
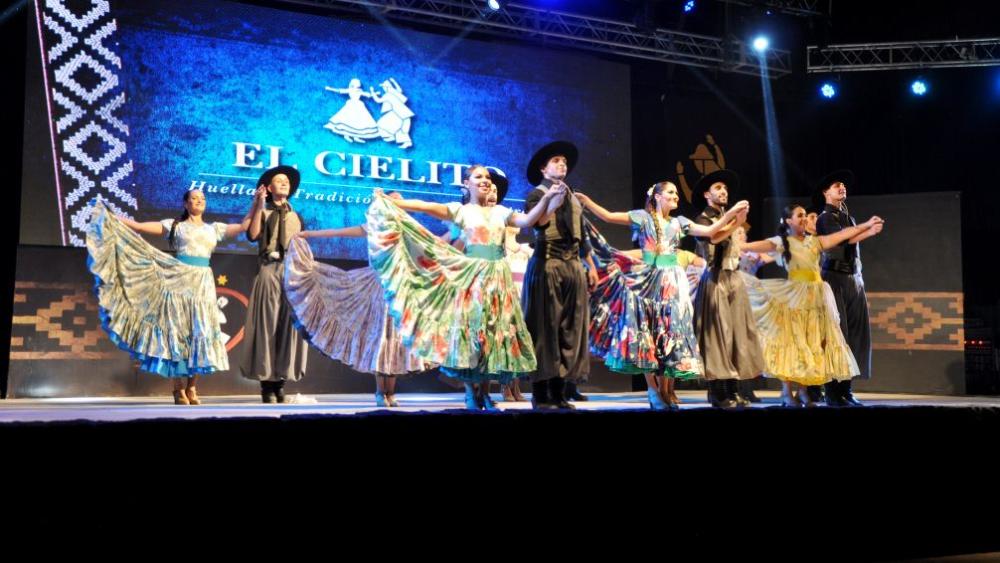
x: 797, y: 318
x: 641, y: 313
x: 160, y: 308
x: 344, y: 314
x: 458, y: 311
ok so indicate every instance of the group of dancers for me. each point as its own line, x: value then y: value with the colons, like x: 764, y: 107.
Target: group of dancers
x: 451, y: 301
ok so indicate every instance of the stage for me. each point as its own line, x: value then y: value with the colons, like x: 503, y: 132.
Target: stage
x: 905, y: 476
x: 121, y: 409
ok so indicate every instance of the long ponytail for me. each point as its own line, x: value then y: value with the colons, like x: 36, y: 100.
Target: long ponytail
x: 783, y: 230
x: 184, y: 217
x: 651, y: 206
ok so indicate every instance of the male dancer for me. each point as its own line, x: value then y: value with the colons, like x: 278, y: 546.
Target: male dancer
x: 727, y: 333
x: 554, y: 297
x: 842, y: 270
x: 274, y: 351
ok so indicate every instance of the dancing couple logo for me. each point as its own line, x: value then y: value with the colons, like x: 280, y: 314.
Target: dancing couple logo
x: 355, y: 123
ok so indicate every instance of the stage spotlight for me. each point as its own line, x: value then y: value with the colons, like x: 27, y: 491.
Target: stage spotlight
x: 919, y: 87
x: 689, y: 6
x: 760, y: 44
x: 828, y: 90
x: 494, y: 4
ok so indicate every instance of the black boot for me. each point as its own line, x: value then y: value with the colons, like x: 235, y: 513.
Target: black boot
x: 540, y: 396
x: 815, y: 393
x: 833, y: 398
x: 279, y: 390
x: 573, y: 394
x: 267, y: 392
x: 557, y: 396
x: 847, y: 395
x: 732, y: 392
x: 745, y: 390
x: 719, y: 395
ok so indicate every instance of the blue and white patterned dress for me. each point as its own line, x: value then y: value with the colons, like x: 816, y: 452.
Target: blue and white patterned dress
x: 161, y: 309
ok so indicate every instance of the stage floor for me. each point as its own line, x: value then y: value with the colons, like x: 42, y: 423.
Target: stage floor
x: 111, y: 409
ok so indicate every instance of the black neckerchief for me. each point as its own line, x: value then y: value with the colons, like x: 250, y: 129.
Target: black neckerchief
x: 564, y: 215
x: 850, y: 248
x: 712, y: 212
x: 721, y: 246
x: 269, y: 232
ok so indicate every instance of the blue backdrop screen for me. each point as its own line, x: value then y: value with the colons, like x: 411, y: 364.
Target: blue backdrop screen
x: 209, y: 94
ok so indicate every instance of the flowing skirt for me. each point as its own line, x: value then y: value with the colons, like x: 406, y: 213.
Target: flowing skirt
x: 799, y: 329
x: 344, y: 314
x: 459, y: 312
x: 160, y: 310
x: 642, y: 317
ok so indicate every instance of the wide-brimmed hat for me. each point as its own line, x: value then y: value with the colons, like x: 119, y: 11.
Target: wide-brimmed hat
x: 292, y: 173
x: 842, y: 175
x: 502, y: 184
x: 728, y: 177
x: 542, y: 156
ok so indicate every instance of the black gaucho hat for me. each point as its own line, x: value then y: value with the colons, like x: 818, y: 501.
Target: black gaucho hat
x: 292, y: 173
x: 727, y: 177
x: 843, y: 175
x: 542, y: 156
x: 502, y: 184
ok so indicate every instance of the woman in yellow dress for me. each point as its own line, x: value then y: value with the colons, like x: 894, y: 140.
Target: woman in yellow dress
x: 797, y: 318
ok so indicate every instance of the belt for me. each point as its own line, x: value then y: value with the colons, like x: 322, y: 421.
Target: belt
x: 550, y: 251
x: 804, y: 275
x: 659, y: 260
x: 193, y: 260
x: 484, y: 251
x: 841, y: 266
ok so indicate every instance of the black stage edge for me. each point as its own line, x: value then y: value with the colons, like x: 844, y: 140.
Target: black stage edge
x: 875, y: 483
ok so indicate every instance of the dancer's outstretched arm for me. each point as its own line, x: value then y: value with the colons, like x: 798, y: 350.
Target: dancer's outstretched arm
x: 436, y: 210
x: 853, y: 234
x: 154, y: 228
x: 356, y: 231
x: 616, y: 217
x: 721, y: 229
x: 552, y: 197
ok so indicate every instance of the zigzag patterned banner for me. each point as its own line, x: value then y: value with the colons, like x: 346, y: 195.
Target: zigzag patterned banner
x: 83, y: 92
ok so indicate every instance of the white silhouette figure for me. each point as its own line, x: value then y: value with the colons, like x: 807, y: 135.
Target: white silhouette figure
x: 394, y: 125
x: 353, y: 122
x: 222, y: 302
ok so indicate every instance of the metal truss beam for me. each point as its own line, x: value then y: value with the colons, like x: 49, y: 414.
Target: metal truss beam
x: 909, y: 55
x: 800, y: 8
x: 574, y: 31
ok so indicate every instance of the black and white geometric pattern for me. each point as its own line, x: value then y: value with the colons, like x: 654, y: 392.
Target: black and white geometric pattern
x: 84, y: 93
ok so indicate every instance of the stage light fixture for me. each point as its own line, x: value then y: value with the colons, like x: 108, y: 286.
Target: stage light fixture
x: 828, y: 90
x: 494, y: 4
x: 689, y: 6
x: 919, y: 87
x: 760, y: 43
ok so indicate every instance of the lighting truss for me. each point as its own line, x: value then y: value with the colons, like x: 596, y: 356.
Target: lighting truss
x: 575, y: 31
